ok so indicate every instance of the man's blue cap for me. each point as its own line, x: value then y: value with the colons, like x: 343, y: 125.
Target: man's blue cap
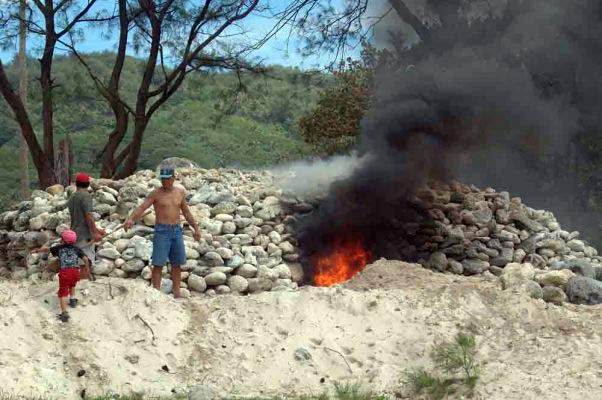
x: 166, y: 173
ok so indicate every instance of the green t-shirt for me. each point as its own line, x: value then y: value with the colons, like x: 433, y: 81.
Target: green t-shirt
x: 79, y: 204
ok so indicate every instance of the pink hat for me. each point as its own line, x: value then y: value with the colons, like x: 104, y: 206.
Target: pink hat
x: 69, y: 237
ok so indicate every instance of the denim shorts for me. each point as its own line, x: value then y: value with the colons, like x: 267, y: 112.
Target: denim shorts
x: 168, y: 243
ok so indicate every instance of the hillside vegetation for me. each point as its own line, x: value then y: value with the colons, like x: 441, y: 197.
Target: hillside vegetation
x: 214, y: 120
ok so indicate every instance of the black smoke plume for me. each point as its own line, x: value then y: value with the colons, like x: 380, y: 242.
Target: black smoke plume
x: 496, y: 101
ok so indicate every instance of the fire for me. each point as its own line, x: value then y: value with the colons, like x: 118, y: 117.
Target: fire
x: 344, y: 260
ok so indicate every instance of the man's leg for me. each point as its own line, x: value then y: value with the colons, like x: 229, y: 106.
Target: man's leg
x: 177, y: 257
x: 90, y: 251
x: 156, y: 276
x: 176, y: 278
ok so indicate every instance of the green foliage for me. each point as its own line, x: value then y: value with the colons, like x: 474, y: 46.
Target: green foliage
x: 334, y: 125
x: 422, y: 381
x: 457, y: 360
x: 208, y: 120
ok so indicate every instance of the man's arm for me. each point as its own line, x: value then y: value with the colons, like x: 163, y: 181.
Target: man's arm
x: 86, y: 205
x: 150, y: 199
x: 190, y: 218
x: 96, y: 232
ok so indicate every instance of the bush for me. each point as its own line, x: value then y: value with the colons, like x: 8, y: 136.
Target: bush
x: 456, y: 359
x: 334, y: 125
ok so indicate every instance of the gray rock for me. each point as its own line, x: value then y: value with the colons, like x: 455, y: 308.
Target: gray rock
x: 254, y: 285
x: 237, y: 284
x: 532, y: 289
x: 546, y: 253
x: 166, y: 285
x: 598, y: 271
x: 282, y: 271
x: 113, y: 254
x: 247, y: 271
x: 506, y: 256
x: 536, y: 260
x: 102, y: 267
x: 557, y: 278
x: 133, y: 265
x: 242, y: 222
x: 286, y: 247
x: 215, y: 278
x: 197, y: 283
x: 214, y: 227
x: 191, y: 253
x: 515, y: 274
x: 223, y: 289
x: 275, y: 237
x: 226, y: 207
x: 225, y: 270
x: 576, y: 245
x: 557, y: 245
x: 520, y: 217
x: 235, y: 261
x: 213, y: 259
x: 437, y: 261
x: 582, y: 290
x: 456, y: 267
x: 502, y: 216
x: 39, y: 222
x: 128, y: 254
x: 245, y: 211
x: 455, y: 250
x: 228, y: 227
x: 497, y: 271
x: 474, y: 266
x: 223, y: 217
x: 302, y: 354
x: 482, y: 216
x: 580, y: 267
x: 519, y: 256
x: 225, y: 253
x: 495, y: 244
x: 553, y: 294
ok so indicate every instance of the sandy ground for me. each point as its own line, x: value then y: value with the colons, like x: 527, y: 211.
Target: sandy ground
x: 370, y: 330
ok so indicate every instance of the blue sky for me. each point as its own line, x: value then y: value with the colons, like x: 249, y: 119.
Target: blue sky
x: 280, y: 50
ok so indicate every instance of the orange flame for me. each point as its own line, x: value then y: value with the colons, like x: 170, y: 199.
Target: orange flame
x: 343, y: 261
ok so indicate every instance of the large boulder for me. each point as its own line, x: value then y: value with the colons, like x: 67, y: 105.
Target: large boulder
x: 578, y: 266
x: 582, y: 290
x: 555, y: 278
x: 197, y: 283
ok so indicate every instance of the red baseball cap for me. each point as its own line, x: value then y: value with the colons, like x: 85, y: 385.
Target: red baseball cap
x: 82, y: 177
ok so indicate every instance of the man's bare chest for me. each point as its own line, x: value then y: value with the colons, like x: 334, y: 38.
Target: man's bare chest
x: 167, y: 201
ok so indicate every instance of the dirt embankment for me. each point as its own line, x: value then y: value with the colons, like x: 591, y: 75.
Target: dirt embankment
x: 130, y: 338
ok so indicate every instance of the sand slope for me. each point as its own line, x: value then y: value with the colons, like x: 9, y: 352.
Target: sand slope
x: 370, y: 330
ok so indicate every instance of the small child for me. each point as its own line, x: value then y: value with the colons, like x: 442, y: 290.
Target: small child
x: 69, y: 256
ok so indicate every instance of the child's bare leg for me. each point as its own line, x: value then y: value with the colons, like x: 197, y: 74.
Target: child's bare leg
x: 72, y: 292
x: 176, y: 278
x: 63, y: 303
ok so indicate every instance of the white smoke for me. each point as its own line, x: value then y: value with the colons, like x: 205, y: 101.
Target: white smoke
x: 307, y: 179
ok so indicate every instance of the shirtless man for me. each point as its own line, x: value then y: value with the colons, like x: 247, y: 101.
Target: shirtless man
x: 168, y: 242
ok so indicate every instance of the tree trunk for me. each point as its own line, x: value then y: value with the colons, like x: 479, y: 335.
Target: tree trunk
x: 22, y: 60
x: 109, y: 164
x: 46, y: 84
x: 44, y: 168
x: 131, y: 162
